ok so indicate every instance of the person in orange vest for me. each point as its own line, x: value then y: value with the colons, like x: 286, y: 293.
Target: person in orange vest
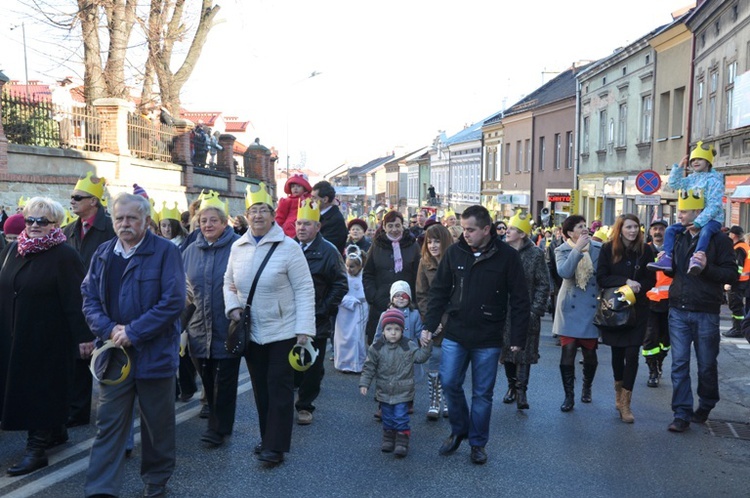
x: 656, y: 342
x: 736, y: 292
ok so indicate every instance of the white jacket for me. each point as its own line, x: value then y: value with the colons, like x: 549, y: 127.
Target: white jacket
x: 284, y: 301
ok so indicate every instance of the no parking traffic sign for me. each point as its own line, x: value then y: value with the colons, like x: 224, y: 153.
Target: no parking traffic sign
x: 648, y: 182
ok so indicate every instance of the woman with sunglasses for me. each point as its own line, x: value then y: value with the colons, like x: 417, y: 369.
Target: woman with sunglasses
x: 41, y: 326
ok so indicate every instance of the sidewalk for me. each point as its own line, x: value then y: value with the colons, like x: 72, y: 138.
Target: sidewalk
x: 734, y: 376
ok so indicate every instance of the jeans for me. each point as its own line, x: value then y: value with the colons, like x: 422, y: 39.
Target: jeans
x: 395, y: 417
x: 710, y: 229
x: 702, y: 330
x: 453, y: 366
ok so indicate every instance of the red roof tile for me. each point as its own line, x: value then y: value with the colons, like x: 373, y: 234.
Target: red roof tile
x: 208, y: 118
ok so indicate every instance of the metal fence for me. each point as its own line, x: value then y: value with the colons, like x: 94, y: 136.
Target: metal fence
x: 40, y: 122
x: 150, y: 140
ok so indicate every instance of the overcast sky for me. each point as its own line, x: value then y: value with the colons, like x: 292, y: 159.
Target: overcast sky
x: 392, y: 73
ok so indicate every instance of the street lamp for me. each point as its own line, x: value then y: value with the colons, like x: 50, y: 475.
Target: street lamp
x: 312, y: 75
x: 25, y: 59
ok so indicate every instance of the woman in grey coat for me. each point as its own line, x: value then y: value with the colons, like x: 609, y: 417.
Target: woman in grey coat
x: 576, y: 260
x: 517, y: 365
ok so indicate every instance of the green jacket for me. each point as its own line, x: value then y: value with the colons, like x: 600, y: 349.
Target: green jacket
x: 392, y: 367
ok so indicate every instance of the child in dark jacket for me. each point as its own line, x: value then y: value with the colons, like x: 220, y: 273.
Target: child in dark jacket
x: 390, y: 362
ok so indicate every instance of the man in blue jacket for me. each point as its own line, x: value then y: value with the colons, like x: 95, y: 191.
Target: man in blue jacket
x: 133, y: 295
x: 479, y: 283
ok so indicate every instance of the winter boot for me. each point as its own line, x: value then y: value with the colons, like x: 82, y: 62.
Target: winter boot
x: 402, y: 444
x: 568, y: 374
x: 660, y: 362
x: 510, y: 373
x: 589, y: 370
x: 625, y: 414
x: 736, y: 330
x: 618, y: 395
x: 442, y: 398
x: 523, y: 381
x: 36, y: 456
x: 433, y: 412
x: 389, y: 441
x: 653, y: 371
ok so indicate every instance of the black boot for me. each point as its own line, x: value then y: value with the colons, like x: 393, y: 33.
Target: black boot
x: 653, y: 371
x: 589, y: 370
x: 510, y: 372
x: 568, y: 374
x: 35, y: 457
x: 523, y: 382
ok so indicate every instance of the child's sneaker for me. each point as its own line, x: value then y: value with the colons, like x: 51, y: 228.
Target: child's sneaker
x: 695, y: 267
x: 663, y: 263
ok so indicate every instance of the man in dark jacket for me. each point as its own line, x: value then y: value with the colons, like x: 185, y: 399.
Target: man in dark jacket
x: 478, y: 280
x: 133, y: 295
x: 331, y: 285
x: 92, y: 228
x: 694, y: 306
x: 332, y: 224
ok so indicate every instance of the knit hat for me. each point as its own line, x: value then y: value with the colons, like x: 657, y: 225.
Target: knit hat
x: 138, y: 190
x: 15, y: 224
x: 392, y: 315
x: 400, y: 286
x: 357, y: 221
x: 736, y: 229
x: 299, y: 179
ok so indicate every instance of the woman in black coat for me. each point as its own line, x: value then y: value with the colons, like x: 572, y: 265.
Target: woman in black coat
x: 41, y: 326
x: 623, y: 261
x: 384, y: 266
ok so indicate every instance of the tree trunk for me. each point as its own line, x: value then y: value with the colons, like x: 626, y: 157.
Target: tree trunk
x: 93, y: 77
x: 120, y: 16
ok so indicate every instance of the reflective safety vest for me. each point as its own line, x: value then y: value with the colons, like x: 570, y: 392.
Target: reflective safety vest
x: 744, y: 270
x: 660, y: 291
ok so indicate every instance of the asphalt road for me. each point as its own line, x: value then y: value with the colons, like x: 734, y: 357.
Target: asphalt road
x: 540, y: 452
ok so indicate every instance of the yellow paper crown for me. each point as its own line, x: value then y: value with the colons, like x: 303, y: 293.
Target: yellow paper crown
x: 350, y: 217
x: 601, y: 234
x: 69, y: 217
x: 521, y: 222
x: 372, y: 218
x: 22, y: 201
x: 154, y: 214
x: 169, y: 214
x: 703, y: 151
x: 688, y: 200
x: 91, y: 185
x: 308, y: 210
x: 211, y: 200
x: 259, y: 195
x: 448, y: 213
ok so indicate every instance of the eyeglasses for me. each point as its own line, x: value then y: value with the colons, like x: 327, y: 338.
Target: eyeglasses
x: 256, y: 212
x: 41, y: 221
x: 79, y: 198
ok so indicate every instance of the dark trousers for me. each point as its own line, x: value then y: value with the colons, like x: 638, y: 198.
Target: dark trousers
x: 273, y: 388
x: 186, y: 385
x: 80, y: 394
x: 625, y: 365
x: 220, y: 383
x: 656, y: 342
x: 736, y: 300
x: 309, y: 382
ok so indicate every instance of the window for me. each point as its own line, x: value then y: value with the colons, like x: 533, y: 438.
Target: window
x: 713, y: 84
x: 569, y: 158
x: 602, y: 130
x: 558, y: 150
x: 586, y: 127
x: 678, y: 111
x: 646, y: 109
x: 622, y: 126
x: 662, y: 131
x: 507, y: 158
x: 648, y: 59
x: 699, y: 94
x: 519, y: 156
x: 527, y: 163
x: 542, y: 153
x: 729, y: 94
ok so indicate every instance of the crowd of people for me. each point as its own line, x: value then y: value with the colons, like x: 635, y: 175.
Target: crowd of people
x: 156, y: 297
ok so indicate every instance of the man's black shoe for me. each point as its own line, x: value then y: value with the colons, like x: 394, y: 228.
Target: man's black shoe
x: 270, y: 456
x: 154, y: 491
x: 212, y: 438
x: 205, y: 411
x: 76, y: 423
x: 678, y: 425
x: 258, y: 448
x: 478, y: 455
x: 452, y: 443
x: 700, y: 416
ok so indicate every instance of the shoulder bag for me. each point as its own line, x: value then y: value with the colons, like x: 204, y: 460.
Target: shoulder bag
x: 239, y: 330
x: 613, y: 315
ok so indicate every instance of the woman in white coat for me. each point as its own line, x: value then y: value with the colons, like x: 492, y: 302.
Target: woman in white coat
x: 283, y: 313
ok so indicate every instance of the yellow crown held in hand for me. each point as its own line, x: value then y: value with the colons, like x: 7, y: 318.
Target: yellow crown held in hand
x: 92, y: 185
x: 169, y: 214
x: 211, y: 200
x: 257, y: 196
x: 521, y: 222
x: 688, y: 200
x: 308, y: 210
x: 703, y: 151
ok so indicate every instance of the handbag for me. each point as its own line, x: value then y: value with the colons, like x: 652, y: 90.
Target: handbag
x: 239, y: 330
x: 612, y: 314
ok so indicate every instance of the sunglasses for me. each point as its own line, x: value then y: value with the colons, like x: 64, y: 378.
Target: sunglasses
x: 500, y: 227
x: 41, y: 221
x: 79, y: 198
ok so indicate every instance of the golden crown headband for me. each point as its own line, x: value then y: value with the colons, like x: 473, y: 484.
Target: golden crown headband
x: 169, y: 214
x: 688, y: 200
x: 211, y: 200
x: 308, y: 210
x: 92, y: 185
x: 260, y: 195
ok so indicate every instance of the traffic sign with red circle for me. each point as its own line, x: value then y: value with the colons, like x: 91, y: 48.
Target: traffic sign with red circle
x: 648, y: 182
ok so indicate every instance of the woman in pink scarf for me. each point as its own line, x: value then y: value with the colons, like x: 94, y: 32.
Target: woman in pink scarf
x: 394, y: 255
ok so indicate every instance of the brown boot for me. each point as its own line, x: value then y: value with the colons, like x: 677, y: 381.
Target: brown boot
x: 402, y: 444
x: 625, y: 414
x: 618, y: 395
x: 389, y: 441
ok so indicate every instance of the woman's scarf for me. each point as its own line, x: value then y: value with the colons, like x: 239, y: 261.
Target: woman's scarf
x: 585, y: 267
x: 398, y: 262
x: 36, y: 245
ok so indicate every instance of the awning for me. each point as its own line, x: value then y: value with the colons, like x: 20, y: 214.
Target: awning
x: 741, y: 193
x: 350, y: 191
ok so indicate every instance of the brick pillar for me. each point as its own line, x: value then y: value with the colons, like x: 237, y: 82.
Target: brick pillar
x: 113, y: 114
x: 181, y: 150
x: 3, y: 139
x: 225, y: 157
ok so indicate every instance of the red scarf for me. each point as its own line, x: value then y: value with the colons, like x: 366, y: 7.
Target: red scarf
x: 39, y: 244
